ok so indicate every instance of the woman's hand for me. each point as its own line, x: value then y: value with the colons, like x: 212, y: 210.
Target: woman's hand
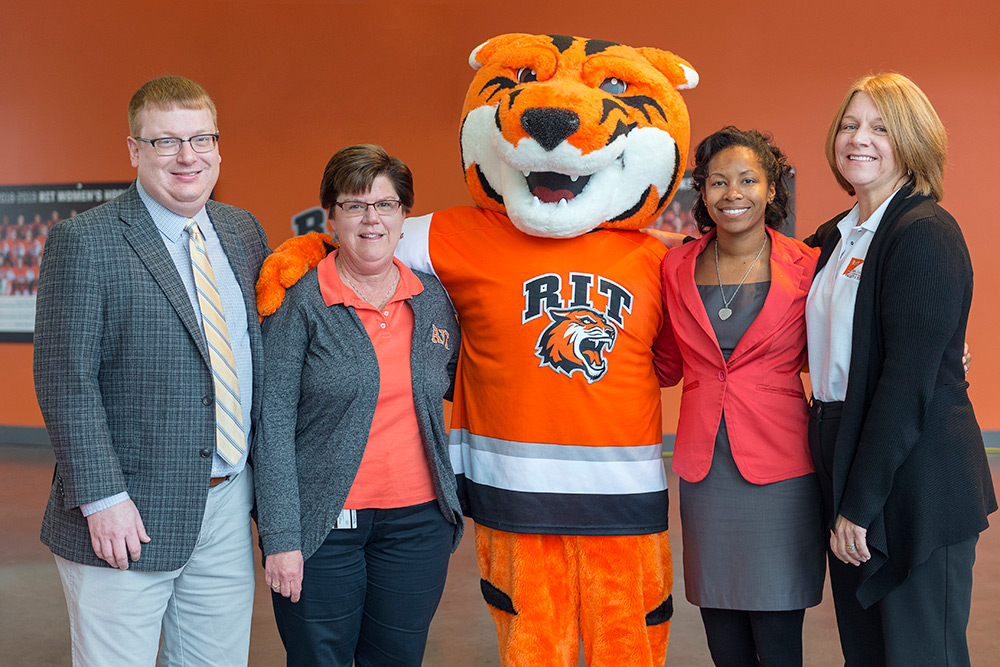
x: 849, y: 542
x: 283, y: 573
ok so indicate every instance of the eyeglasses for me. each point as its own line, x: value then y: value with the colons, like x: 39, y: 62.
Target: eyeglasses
x: 356, y: 209
x: 200, y: 143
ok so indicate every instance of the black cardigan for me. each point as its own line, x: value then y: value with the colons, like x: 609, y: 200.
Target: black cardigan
x: 909, y: 461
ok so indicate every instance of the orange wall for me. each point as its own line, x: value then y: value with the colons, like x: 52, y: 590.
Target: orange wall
x: 295, y: 80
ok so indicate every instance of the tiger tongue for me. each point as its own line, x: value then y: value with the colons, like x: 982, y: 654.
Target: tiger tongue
x: 551, y: 187
x: 548, y: 196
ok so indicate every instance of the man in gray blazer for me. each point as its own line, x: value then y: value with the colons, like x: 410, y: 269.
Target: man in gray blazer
x: 148, y: 372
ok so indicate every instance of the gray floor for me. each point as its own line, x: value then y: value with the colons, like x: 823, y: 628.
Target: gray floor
x: 34, y: 625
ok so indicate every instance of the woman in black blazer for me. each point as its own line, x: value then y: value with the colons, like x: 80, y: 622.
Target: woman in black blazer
x: 894, y: 438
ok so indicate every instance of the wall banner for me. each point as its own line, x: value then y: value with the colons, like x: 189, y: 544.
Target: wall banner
x: 27, y: 213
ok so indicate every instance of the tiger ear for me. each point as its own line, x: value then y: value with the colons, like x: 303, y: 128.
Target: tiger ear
x: 474, y: 61
x: 677, y: 70
x: 489, y: 49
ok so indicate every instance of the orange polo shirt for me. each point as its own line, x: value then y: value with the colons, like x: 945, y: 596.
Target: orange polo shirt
x: 394, y: 469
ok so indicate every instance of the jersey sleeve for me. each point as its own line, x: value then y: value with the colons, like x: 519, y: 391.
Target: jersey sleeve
x: 413, y: 248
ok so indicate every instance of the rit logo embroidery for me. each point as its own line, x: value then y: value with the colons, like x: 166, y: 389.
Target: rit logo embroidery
x: 440, y: 336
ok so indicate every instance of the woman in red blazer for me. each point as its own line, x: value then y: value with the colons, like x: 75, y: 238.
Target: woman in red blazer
x: 750, y: 504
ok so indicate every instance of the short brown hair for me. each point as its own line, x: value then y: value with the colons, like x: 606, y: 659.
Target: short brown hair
x: 353, y: 170
x: 918, y: 138
x: 165, y: 92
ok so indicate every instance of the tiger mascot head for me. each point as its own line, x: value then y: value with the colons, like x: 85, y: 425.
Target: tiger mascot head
x: 565, y: 134
x: 576, y: 341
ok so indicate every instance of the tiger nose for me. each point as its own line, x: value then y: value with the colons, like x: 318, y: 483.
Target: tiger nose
x: 549, y: 127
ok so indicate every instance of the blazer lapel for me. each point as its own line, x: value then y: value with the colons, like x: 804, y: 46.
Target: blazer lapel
x: 787, y: 276
x: 141, y: 233
x: 900, y: 204
x: 688, y: 290
x: 830, y: 236
x: 225, y: 229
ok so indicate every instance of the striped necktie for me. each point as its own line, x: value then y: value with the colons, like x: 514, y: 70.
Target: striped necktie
x: 230, y: 441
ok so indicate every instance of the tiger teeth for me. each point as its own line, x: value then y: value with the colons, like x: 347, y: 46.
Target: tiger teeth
x: 572, y: 177
x: 562, y: 203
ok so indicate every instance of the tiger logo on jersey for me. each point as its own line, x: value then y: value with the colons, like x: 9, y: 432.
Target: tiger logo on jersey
x: 576, y: 340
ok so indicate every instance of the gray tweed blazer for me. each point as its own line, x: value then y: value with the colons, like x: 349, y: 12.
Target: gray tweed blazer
x: 123, y: 376
x: 321, y: 386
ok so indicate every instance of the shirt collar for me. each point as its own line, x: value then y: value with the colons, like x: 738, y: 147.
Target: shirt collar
x: 335, y: 290
x: 871, y: 224
x: 169, y: 224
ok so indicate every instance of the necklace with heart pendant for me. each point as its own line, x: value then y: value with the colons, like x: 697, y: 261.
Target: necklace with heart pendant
x: 726, y: 312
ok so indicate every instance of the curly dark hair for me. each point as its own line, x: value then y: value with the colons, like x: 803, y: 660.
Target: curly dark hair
x: 772, y: 160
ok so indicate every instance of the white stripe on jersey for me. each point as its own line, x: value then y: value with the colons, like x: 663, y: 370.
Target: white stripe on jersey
x: 548, y: 468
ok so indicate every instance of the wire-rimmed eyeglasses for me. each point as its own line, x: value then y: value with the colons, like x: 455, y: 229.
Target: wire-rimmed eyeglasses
x: 356, y: 209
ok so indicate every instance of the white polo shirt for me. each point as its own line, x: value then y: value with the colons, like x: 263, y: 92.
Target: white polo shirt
x: 830, y: 305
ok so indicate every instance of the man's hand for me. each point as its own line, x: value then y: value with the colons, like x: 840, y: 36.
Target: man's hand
x: 117, y: 534
x: 283, y: 573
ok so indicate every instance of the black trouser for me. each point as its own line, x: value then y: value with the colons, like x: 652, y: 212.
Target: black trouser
x: 369, y: 593
x: 824, y: 422
x: 922, y: 621
x: 739, y: 638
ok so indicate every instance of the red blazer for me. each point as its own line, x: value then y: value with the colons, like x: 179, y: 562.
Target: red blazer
x: 760, y: 387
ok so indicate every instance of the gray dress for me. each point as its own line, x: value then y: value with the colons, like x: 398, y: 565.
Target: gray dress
x: 755, y: 547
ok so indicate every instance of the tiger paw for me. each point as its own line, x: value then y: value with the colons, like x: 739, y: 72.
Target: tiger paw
x: 285, y: 266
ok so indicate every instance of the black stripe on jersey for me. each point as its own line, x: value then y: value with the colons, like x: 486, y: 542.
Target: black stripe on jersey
x: 565, y: 513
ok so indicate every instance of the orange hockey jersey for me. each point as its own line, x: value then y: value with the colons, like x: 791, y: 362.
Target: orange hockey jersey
x: 556, y: 424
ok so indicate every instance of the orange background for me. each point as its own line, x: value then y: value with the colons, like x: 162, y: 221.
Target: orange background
x: 294, y: 80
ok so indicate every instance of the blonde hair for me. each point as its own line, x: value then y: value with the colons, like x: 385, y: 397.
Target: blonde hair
x: 166, y: 92
x: 917, y: 136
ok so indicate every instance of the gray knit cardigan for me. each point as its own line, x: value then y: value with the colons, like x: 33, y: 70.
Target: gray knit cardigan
x: 320, y: 389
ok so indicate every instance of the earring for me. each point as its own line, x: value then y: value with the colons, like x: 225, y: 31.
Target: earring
x: 401, y: 235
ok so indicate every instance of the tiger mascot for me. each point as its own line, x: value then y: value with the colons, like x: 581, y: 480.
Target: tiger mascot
x: 569, y: 145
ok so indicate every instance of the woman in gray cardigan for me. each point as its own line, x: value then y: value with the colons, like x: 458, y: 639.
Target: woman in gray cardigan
x: 356, y: 498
